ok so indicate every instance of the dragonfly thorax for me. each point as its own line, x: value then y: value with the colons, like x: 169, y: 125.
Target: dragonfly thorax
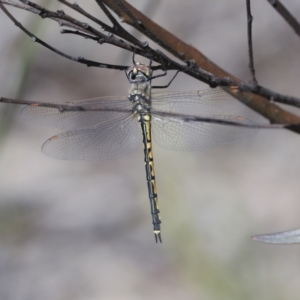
x: 140, y: 105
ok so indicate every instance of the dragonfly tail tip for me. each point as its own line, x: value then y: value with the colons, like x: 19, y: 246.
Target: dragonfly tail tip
x: 157, y: 236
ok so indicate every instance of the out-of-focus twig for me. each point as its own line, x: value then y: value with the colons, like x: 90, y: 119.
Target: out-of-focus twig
x: 288, y: 17
x: 250, y: 46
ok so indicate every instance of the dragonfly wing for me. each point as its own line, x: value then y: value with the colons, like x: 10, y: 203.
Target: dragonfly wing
x: 202, y: 102
x: 108, y: 140
x: 181, y: 135
x: 284, y: 237
x: 94, y: 111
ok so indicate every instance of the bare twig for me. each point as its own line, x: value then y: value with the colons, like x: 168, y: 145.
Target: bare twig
x: 288, y: 17
x: 79, y: 59
x: 21, y: 6
x: 250, y: 46
x: 64, y: 20
x: 62, y: 107
x: 79, y: 9
x: 118, y: 29
x: 73, y: 106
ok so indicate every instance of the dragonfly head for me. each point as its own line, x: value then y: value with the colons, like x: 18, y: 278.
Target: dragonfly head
x: 139, y: 73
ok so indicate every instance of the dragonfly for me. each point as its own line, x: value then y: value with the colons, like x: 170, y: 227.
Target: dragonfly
x: 109, y: 127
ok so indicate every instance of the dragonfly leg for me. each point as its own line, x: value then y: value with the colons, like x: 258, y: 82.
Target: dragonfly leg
x: 164, y: 69
x: 167, y: 85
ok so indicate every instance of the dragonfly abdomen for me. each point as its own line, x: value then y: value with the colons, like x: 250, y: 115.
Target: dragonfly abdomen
x: 145, y: 120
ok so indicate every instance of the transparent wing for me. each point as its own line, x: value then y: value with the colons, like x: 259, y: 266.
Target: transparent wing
x: 284, y: 237
x: 178, y: 134
x: 105, y: 108
x: 202, y: 102
x: 108, y: 140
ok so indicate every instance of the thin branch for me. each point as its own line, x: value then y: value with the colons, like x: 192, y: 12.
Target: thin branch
x: 148, y: 51
x: 79, y: 59
x: 73, y: 106
x: 60, y: 15
x: 118, y: 29
x: 62, y: 107
x: 138, y: 24
x: 79, y: 9
x: 250, y: 46
x: 287, y: 16
x: 21, y: 6
x: 65, y: 20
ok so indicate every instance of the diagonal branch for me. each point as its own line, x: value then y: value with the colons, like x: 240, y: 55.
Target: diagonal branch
x: 287, y: 16
x: 118, y: 29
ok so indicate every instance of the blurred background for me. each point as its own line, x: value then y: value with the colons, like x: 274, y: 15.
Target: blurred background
x: 81, y: 230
